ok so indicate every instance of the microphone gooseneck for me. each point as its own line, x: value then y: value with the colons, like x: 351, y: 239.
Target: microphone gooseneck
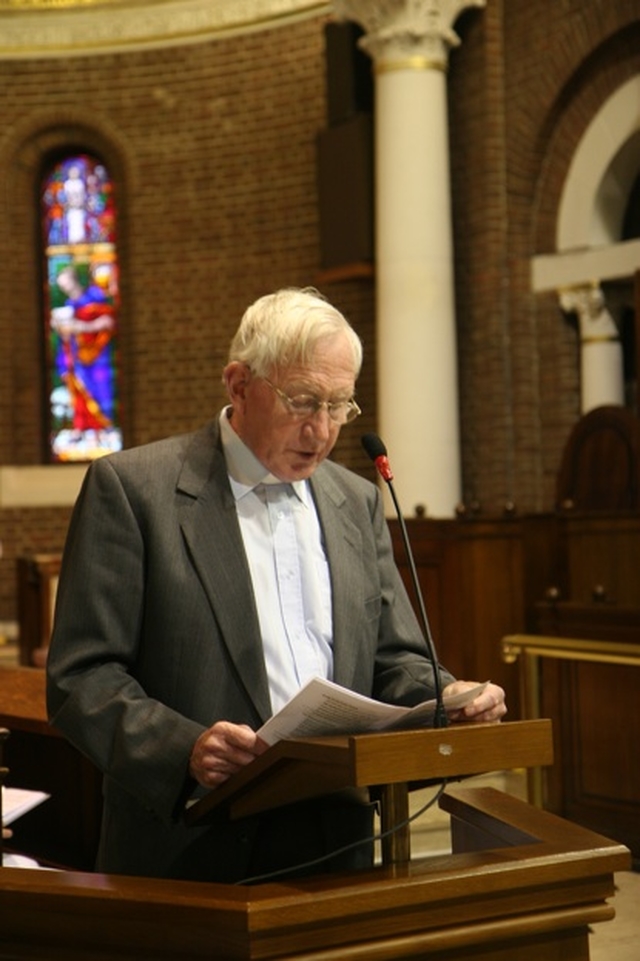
x: 377, y: 451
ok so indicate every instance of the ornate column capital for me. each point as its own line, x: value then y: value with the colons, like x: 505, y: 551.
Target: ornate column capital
x: 588, y: 302
x: 601, y: 357
x: 405, y: 34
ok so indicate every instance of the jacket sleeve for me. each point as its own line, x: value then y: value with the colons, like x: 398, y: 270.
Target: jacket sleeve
x: 93, y: 695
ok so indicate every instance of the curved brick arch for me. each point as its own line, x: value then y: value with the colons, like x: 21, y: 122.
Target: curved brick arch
x: 593, y: 96
x: 26, y: 145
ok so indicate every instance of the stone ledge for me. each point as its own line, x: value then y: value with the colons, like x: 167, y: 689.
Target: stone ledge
x: 55, y: 485
x: 56, y: 28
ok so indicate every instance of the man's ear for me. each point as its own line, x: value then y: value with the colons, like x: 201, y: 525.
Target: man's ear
x: 236, y: 376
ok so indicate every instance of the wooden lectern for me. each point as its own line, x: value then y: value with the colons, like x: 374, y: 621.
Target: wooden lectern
x: 519, y: 884
x: 388, y: 762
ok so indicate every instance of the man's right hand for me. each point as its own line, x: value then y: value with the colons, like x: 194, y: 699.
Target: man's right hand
x: 222, y: 750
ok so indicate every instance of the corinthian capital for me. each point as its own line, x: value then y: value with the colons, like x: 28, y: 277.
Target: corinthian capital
x: 407, y: 30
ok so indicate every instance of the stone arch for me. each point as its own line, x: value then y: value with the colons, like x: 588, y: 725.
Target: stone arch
x: 601, y: 173
x: 588, y: 219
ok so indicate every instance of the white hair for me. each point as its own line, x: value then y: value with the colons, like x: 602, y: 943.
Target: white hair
x: 282, y: 329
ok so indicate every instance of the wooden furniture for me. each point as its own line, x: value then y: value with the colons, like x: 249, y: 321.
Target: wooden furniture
x: 588, y: 686
x: 388, y: 762
x: 64, y: 829
x: 37, y: 586
x: 595, y: 621
x: 600, y: 467
x: 520, y: 885
x: 587, y: 681
x: 600, y: 554
x: 480, y: 578
x: 580, y: 669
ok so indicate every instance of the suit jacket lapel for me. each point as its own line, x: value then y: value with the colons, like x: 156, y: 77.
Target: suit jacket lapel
x: 212, y: 533
x: 343, y: 544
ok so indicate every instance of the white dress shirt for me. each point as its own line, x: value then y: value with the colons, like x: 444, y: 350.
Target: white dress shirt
x: 289, y: 570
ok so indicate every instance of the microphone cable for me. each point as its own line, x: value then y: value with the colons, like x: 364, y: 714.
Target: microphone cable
x: 261, y: 878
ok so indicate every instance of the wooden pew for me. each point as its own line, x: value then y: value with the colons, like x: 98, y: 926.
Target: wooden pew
x: 64, y: 829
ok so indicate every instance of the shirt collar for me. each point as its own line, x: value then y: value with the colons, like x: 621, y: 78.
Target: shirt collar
x: 244, y: 469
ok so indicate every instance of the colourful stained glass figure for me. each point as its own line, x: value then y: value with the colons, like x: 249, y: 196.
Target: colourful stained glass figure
x: 81, y: 300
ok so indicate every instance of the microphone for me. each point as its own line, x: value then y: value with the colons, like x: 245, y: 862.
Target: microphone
x: 377, y: 451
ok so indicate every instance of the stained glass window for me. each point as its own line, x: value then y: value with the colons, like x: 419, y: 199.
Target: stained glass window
x: 81, y: 301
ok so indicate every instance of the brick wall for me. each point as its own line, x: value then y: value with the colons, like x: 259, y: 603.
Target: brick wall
x: 524, y: 84
x: 213, y: 150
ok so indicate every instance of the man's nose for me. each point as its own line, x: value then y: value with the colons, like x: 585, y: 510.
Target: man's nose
x: 321, y: 422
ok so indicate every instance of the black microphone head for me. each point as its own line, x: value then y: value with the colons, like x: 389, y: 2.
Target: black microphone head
x: 374, y: 446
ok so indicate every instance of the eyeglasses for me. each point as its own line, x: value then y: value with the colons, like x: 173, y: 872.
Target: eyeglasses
x: 306, y: 405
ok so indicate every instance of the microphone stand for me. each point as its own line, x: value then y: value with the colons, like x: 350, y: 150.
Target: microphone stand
x: 376, y: 450
x: 440, y: 718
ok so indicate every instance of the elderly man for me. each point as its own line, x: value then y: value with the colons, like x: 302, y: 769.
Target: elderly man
x: 205, y: 579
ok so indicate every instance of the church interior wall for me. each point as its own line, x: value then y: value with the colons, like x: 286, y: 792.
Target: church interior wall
x: 213, y: 146
x: 524, y: 84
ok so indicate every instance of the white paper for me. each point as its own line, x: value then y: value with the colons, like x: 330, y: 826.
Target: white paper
x: 17, y: 801
x: 321, y: 708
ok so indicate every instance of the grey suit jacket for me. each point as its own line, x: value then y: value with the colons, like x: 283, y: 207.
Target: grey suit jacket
x: 156, y: 633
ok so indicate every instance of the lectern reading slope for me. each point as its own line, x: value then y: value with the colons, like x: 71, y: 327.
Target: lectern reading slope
x: 296, y: 769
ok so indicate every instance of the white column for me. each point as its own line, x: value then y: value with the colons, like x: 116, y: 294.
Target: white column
x: 417, y: 380
x: 601, y: 360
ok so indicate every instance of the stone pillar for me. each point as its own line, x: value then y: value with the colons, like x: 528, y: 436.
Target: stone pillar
x: 601, y: 362
x: 409, y: 42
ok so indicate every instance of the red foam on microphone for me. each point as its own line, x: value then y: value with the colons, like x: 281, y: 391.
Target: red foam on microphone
x: 384, y: 467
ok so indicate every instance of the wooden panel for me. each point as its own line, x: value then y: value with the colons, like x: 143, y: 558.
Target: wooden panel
x: 598, y: 620
x: 603, y: 559
x: 534, y: 897
x: 605, y: 741
x: 490, y: 597
x: 595, y: 779
x: 480, y: 580
x: 588, y: 687
x: 435, y: 565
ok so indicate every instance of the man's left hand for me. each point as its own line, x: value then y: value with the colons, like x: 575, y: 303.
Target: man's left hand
x: 488, y: 706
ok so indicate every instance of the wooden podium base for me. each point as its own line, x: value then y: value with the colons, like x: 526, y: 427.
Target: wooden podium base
x: 520, y: 885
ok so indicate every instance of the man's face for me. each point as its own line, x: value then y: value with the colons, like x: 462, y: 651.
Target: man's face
x: 291, y: 447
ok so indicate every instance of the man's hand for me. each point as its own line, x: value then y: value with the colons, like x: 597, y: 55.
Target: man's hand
x: 488, y: 706
x: 221, y: 751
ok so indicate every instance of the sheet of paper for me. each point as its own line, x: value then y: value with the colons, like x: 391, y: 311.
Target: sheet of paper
x: 321, y: 708
x: 17, y: 801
